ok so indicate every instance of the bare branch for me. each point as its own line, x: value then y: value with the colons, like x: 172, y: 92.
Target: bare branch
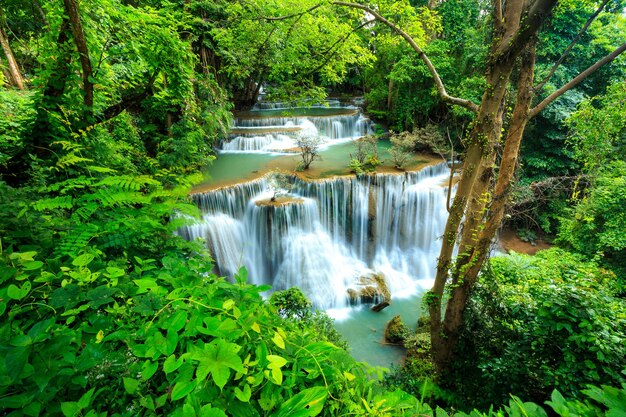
x: 570, y: 46
x: 431, y: 68
x: 577, y: 80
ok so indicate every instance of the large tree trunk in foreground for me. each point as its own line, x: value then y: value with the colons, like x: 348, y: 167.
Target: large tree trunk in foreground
x: 14, y: 70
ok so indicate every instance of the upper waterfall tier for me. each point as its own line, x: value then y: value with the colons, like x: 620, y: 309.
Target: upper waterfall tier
x: 329, y: 233
x: 275, y: 130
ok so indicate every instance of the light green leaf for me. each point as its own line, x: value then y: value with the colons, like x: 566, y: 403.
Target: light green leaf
x: 17, y: 293
x: 278, y: 340
x: 228, y: 304
x: 243, y: 396
x: 131, y: 385
x: 208, y: 411
x: 83, y: 260
x: 171, y: 364
x: 148, y: 369
x: 217, y: 359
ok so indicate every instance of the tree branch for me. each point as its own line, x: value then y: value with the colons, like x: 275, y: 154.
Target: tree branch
x: 570, y: 46
x: 431, y: 68
x: 577, y: 80
x: 497, y: 13
x: 309, y: 10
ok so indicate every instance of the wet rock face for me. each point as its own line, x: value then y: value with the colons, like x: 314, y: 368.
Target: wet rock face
x: 395, y: 331
x: 370, y: 289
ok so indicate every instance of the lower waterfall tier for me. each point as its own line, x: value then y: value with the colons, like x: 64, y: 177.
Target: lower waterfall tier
x: 326, y: 235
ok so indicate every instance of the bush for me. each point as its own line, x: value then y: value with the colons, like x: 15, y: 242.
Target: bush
x: 540, y: 323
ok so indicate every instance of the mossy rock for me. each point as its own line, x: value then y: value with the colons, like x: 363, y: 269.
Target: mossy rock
x: 396, y: 331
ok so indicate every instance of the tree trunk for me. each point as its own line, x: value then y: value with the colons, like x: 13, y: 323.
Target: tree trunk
x: 390, y: 94
x: 14, y: 70
x: 81, y: 45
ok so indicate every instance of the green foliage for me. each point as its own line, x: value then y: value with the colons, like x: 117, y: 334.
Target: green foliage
x: 365, y: 157
x: 556, y: 324
x: 16, y: 118
x: 599, y: 134
x: 596, y: 225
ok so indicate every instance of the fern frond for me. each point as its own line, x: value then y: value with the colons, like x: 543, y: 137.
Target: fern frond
x: 129, y: 183
x: 84, y: 212
x: 62, y: 202
x: 111, y: 197
x: 71, y: 184
x: 76, y: 239
x: 68, y: 146
x: 69, y: 160
x: 100, y: 170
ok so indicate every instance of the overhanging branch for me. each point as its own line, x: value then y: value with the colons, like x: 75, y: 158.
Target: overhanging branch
x: 577, y: 80
x: 431, y: 68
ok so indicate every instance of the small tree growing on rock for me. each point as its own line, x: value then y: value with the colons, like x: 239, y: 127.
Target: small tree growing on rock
x: 278, y: 183
x: 309, y: 149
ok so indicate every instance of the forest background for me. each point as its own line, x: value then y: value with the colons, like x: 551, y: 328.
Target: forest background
x: 109, y: 110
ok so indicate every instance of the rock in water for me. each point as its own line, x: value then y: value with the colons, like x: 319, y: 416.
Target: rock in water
x: 395, y: 331
x: 371, y: 289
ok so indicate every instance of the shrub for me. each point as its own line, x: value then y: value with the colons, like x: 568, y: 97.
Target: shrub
x: 540, y: 323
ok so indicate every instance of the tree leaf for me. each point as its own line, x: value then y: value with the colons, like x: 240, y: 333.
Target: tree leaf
x: 278, y: 340
x: 83, y: 260
x: 182, y: 389
x: 131, y: 385
x: 306, y: 403
x: 217, y: 359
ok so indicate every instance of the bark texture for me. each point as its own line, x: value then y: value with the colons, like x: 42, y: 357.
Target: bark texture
x: 14, y: 70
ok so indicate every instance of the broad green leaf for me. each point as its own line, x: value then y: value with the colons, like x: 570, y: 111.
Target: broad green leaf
x: 171, y: 364
x: 228, y: 304
x: 17, y: 293
x: 208, y: 411
x: 243, y: 395
x: 85, y: 400
x: 217, y: 359
x: 306, y: 403
x: 148, y: 369
x: 32, y: 265
x: 182, y: 389
x: 70, y: 409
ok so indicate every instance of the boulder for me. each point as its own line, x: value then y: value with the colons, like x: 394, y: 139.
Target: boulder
x: 396, y: 331
x: 370, y: 289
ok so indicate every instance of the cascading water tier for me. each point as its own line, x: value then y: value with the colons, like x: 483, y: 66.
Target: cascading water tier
x: 273, y: 127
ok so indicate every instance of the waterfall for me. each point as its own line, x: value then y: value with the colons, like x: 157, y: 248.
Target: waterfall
x: 325, y: 235
x: 267, y: 129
